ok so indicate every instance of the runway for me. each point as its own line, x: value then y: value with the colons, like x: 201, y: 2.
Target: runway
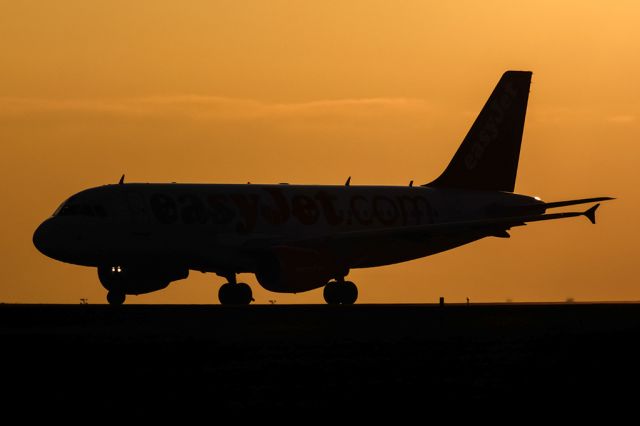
x: 165, y: 359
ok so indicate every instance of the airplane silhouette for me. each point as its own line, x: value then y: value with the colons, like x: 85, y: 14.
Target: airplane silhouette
x: 295, y: 238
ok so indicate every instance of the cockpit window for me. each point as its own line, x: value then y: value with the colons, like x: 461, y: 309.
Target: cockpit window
x: 60, y: 207
x: 74, y: 208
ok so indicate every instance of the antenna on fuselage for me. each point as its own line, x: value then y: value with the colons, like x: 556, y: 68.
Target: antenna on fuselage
x: 121, y: 181
x: 348, y: 181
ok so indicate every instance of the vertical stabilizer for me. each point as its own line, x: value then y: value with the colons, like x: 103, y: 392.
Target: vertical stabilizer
x: 488, y: 156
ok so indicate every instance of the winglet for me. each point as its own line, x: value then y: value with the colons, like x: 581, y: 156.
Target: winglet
x: 348, y: 182
x: 591, y: 213
x: 121, y: 181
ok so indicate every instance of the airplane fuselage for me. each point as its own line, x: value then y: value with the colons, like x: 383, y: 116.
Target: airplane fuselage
x: 219, y: 227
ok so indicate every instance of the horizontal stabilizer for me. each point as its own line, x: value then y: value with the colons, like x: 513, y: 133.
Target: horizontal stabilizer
x: 573, y: 202
x: 541, y: 207
x: 591, y: 213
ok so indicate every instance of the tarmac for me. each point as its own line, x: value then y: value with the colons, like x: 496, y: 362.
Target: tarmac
x: 170, y: 359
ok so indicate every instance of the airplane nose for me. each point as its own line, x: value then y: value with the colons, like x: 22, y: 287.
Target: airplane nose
x: 42, y: 238
x: 62, y: 240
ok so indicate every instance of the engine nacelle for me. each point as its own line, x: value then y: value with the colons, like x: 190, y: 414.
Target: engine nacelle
x: 293, y: 270
x: 135, y: 279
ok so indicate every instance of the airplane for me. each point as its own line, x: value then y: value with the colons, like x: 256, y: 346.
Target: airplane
x: 143, y: 236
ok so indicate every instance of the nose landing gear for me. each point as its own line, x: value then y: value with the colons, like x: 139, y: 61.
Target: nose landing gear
x: 116, y: 297
x: 112, y: 279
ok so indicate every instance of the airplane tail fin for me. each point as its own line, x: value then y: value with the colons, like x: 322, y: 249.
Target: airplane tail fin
x: 488, y: 156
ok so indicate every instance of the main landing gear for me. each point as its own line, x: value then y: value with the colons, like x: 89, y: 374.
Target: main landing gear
x: 340, y: 293
x: 235, y: 293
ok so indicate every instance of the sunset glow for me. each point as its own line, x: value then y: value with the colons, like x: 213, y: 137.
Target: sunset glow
x: 312, y: 93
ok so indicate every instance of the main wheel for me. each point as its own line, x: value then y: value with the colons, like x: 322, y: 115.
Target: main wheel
x: 348, y: 293
x: 331, y: 293
x: 245, y: 295
x: 115, y: 297
x: 336, y: 293
x: 226, y: 294
x: 235, y: 294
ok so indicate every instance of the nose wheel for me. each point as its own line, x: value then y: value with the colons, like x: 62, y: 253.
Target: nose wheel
x: 116, y: 298
x: 235, y: 294
x: 340, y: 293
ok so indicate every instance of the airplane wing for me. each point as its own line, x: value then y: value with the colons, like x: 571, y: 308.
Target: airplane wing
x: 491, y: 226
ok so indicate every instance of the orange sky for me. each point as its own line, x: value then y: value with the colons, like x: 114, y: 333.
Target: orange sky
x: 312, y: 92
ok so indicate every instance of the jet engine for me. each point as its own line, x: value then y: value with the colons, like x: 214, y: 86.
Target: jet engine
x: 293, y: 270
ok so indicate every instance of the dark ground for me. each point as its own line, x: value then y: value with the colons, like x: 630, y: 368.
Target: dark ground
x: 171, y: 359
